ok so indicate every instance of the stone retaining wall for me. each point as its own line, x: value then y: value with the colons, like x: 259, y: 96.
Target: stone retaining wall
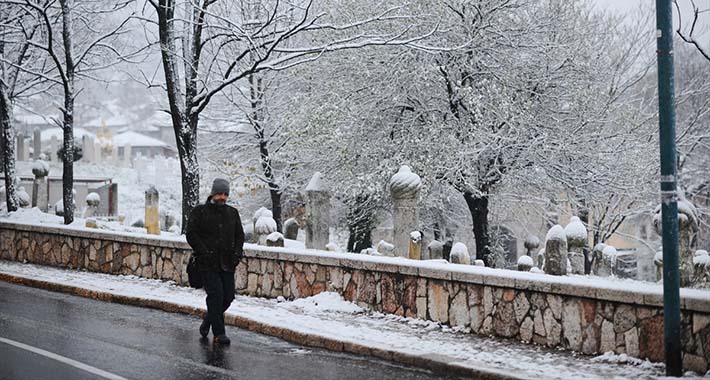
x: 570, y: 312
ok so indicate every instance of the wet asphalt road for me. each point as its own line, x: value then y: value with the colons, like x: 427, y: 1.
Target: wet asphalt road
x: 137, y: 343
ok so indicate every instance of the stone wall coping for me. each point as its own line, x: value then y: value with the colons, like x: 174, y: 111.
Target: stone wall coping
x: 166, y: 241
x: 605, y: 289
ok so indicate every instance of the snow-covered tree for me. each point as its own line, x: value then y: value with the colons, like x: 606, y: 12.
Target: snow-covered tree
x: 523, y: 103
x: 23, y: 73
x: 79, y: 38
x: 223, y: 44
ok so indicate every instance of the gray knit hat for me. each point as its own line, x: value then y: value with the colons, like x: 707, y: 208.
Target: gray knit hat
x: 220, y: 185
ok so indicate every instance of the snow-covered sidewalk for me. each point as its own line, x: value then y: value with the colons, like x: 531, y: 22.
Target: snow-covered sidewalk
x: 327, y: 315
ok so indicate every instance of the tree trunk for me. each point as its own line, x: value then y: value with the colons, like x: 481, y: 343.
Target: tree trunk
x: 190, y: 169
x: 68, y: 162
x: 276, y: 207
x: 68, y: 159
x: 360, y: 225
x: 478, y: 207
x: 7, y: 143
x: 184, y: 123
x: 274, y: 189
x: 583, y: 213
x: 257, y: 120
x: 360, y: 237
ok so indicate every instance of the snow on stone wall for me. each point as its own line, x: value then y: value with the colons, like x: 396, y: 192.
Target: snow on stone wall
x: 588, y: 315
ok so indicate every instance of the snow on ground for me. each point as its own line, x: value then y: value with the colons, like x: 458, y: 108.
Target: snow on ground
x: 164, y: 174
x: 326, y: 301
x: 34, y: 216
x: 294, y: 244
x: 330, y: 316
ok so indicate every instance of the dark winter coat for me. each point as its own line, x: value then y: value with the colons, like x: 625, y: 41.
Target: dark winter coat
x: 216, y: 236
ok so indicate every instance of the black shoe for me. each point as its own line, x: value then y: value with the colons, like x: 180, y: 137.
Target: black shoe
x: 222, y: 339
x: 205, y: 328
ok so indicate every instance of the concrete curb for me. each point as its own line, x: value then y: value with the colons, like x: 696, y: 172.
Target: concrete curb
x: 441, y: 365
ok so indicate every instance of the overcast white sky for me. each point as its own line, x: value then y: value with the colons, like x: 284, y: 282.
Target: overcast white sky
x: 702, y: 29
x: 620, y: 5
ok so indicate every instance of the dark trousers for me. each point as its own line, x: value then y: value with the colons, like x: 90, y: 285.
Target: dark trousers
x: 220, y: 294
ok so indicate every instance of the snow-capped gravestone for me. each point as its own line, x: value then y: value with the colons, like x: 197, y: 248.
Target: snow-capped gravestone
x: 317, y: 213
x: 415, y: 245
x: 89, y: 147
x: 658, y: 261
x: 54, y: 146
x: 447, y: 249
x: 114, y: 156
x: 404, y: 189
x: 576, y: 243
x: 290, y: 229
x: 257, y: 214
x: 167, y: 220
x: 460, y: 255
x: 152, y: 212
x: 40, y: 191
x: 23, y: 198
x: 59, y: 208
x: 525, y: 263
x: 497, y: 257
x: 607, y: 262
x: 275, y: 239
x: 532, y: 244
x: 99, y: 153
x: 22, y: 148
x: 127, y: 152
x: 556, y: 251
x: 434, y: 251
x: 264, y: 226
x: 597, y: 258
x: 626, y: 265
x: 91, y: 223
x: 540, y: 259
x: 93, y: 201
x: 687, y: 231
x: 36, y: 143
x: 701, y: 273
x: 385, y: 248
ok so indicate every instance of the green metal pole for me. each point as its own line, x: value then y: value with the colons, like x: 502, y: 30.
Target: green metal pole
x: 669, y: 197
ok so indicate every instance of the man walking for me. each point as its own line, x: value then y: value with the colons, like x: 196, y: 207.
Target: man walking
x: 215, y: 233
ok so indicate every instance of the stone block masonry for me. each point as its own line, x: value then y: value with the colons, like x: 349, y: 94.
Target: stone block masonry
x: 574, y: 313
